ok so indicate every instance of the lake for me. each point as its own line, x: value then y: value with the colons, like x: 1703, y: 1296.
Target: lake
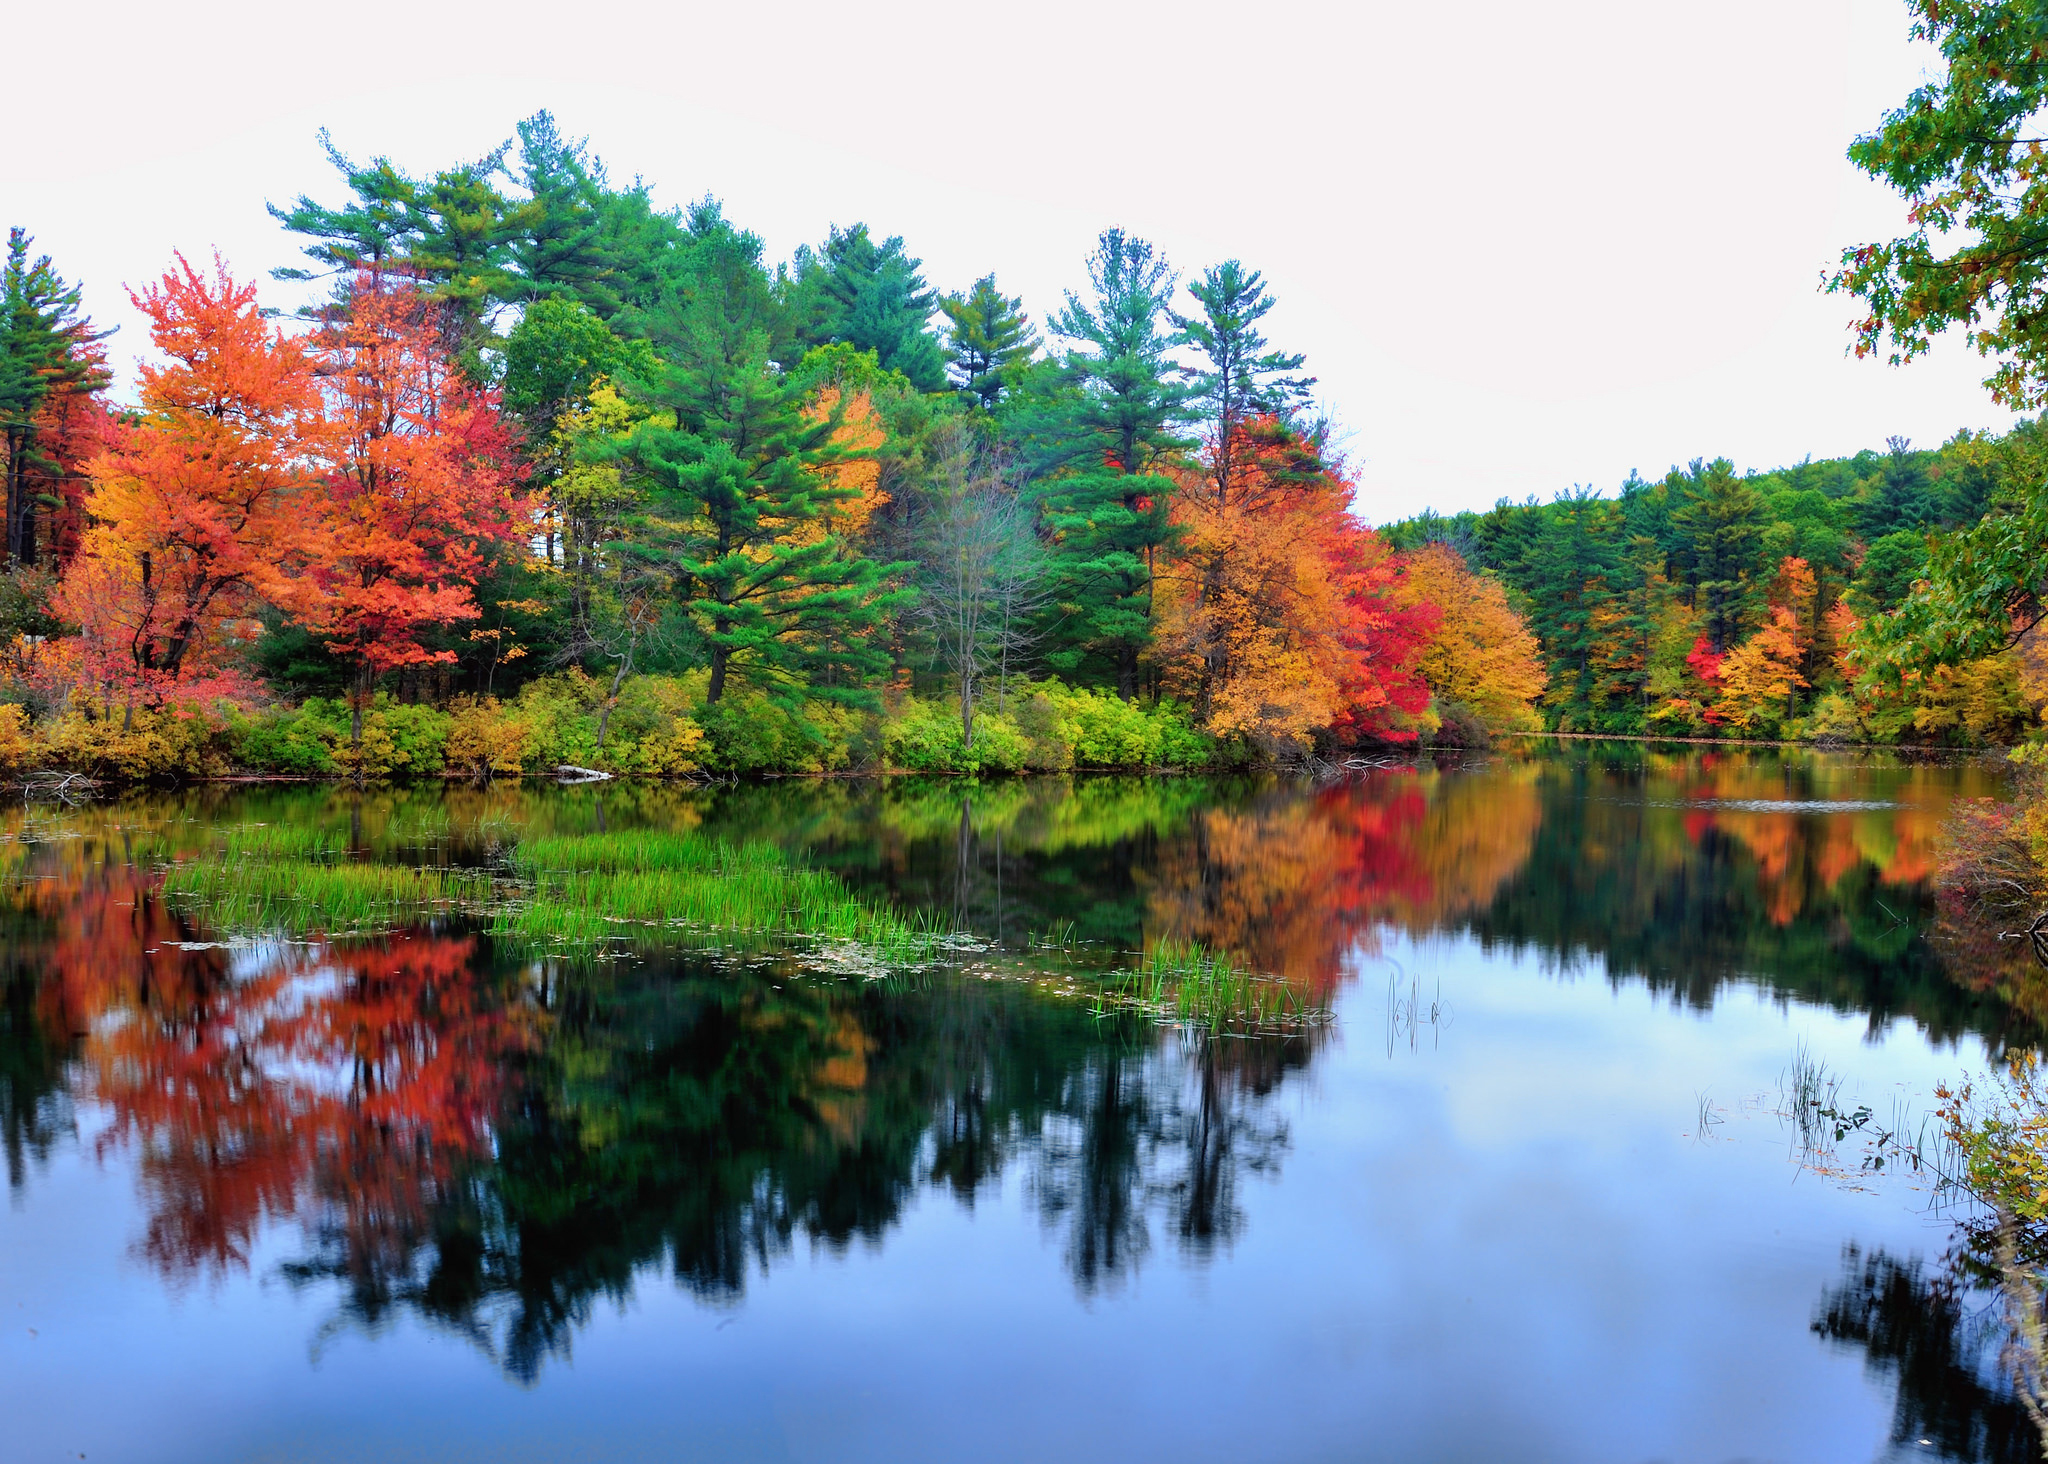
x: 1521, y: 1186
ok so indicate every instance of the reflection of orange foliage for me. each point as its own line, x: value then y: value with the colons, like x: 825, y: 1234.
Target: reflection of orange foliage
x: 1918, y: 833
x: 1837, y: 853
x: 352, y: 1080
x: 1800, y: 853
x: 1774, y: 841
x: 349, y: 1081
x: 837, y: 1090
x: 1287, y: 887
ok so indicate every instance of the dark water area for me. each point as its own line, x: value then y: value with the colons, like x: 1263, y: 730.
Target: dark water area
x: 1528, y: 1195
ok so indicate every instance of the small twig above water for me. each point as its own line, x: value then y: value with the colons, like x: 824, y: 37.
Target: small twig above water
x: 48, y: 786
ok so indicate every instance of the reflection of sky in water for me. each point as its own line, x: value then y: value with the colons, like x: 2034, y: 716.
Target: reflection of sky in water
x: 1507, y: 1247
x: 1492, y: 1238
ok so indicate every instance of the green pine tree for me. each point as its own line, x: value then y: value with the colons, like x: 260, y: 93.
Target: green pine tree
x: 1243, y: 379
x: 1720, y: 518
x: 870, y: 296
x: 989, y: 342
x: 557, y: 243
x: 378, y: 226
x: 1092, y: 431
x: 1572, y: 570
x: 728, y: 457
x: 45, y: 349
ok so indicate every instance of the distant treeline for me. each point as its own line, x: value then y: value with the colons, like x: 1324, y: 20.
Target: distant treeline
x: 1711, y: 600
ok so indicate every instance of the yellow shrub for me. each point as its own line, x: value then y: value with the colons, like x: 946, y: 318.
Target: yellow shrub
x: 170, y: 742
x: 17, y: 746
x: 486, y: 739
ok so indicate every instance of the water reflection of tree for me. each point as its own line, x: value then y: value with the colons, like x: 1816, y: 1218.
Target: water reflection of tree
x: 1941, y: 1337
x: 1683, y: 872
x: 35, y: 1107
x: 1154, y: 1132
x: 1279, y: 876
x: 711, y: 1119
x: 497, y: 1148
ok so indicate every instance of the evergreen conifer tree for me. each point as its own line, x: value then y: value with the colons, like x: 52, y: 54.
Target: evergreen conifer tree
x: 46, y: 350
x: 870, y: 296
x: 557, y: 243
x: 1093, y: 434
x: 1721, y: 518
x: 1243, y: 378
x: 377, y: 227
x: 989, y: 341
x: 728, y: 457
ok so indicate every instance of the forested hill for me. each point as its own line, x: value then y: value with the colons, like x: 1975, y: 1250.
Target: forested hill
x: 1711, y: 600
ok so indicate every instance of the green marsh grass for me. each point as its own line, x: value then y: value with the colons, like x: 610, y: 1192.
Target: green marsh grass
x: 1183, y: 981
x: 275, y: 841
x: 298, y: 895
x: 598, y: 887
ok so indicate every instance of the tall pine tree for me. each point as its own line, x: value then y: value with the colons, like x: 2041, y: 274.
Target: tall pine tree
x: 48, y: 350
x: 871, y: 296
x: 1721, y: 518
x: 1243, y: 379
x: 729, y: 459
x: 1093, y: 435
x: 988, y: 342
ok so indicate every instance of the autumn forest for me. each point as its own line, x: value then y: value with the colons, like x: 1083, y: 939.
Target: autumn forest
x: 545, y: 474
x: 627, y: 837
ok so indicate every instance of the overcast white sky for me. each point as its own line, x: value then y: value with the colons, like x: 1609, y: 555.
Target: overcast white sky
x: 1523, y: 246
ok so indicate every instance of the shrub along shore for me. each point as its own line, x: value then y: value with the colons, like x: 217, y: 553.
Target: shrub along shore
x: 657, y: 727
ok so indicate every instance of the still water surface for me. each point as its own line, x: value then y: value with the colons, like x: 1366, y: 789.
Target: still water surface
x: 417, y: 1199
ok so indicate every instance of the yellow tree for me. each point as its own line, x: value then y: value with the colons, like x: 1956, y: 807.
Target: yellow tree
x: 1481, y: 654
x: 1279, y: 615
x: 1760, y: 677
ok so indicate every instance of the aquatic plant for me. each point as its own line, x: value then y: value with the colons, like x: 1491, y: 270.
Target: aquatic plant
x: 299, y: 895
x: 1810, y: 1099
x: 275, y: 841
x: 1184, y: 981
x: 596, y: 887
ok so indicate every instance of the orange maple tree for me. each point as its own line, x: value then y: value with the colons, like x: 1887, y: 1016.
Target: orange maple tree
x: 1760, y: 678
x: 1480, y: 654
x: 1281, y: 613
x: 196, y: 513
x: 422, y: 481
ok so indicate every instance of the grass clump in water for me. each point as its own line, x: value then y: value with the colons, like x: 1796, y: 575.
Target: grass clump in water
x: 277, y: 841
x: 586, y: 886
x: 298, y: 895
x: 1183, y: 981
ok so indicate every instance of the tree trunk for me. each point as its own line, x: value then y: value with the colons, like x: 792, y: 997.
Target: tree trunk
x: 719, y: 657
x: 355, y: 716
x: 17, y: 457
x: 611, y: 699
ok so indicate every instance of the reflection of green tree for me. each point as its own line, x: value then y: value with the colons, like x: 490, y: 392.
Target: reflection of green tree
x: 708, y: 1116
x: 1614, y: 874
x: 1008, y: 860
x: 35, y: 1104
x: 1939, y: 1344
x: 35, y: 1107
